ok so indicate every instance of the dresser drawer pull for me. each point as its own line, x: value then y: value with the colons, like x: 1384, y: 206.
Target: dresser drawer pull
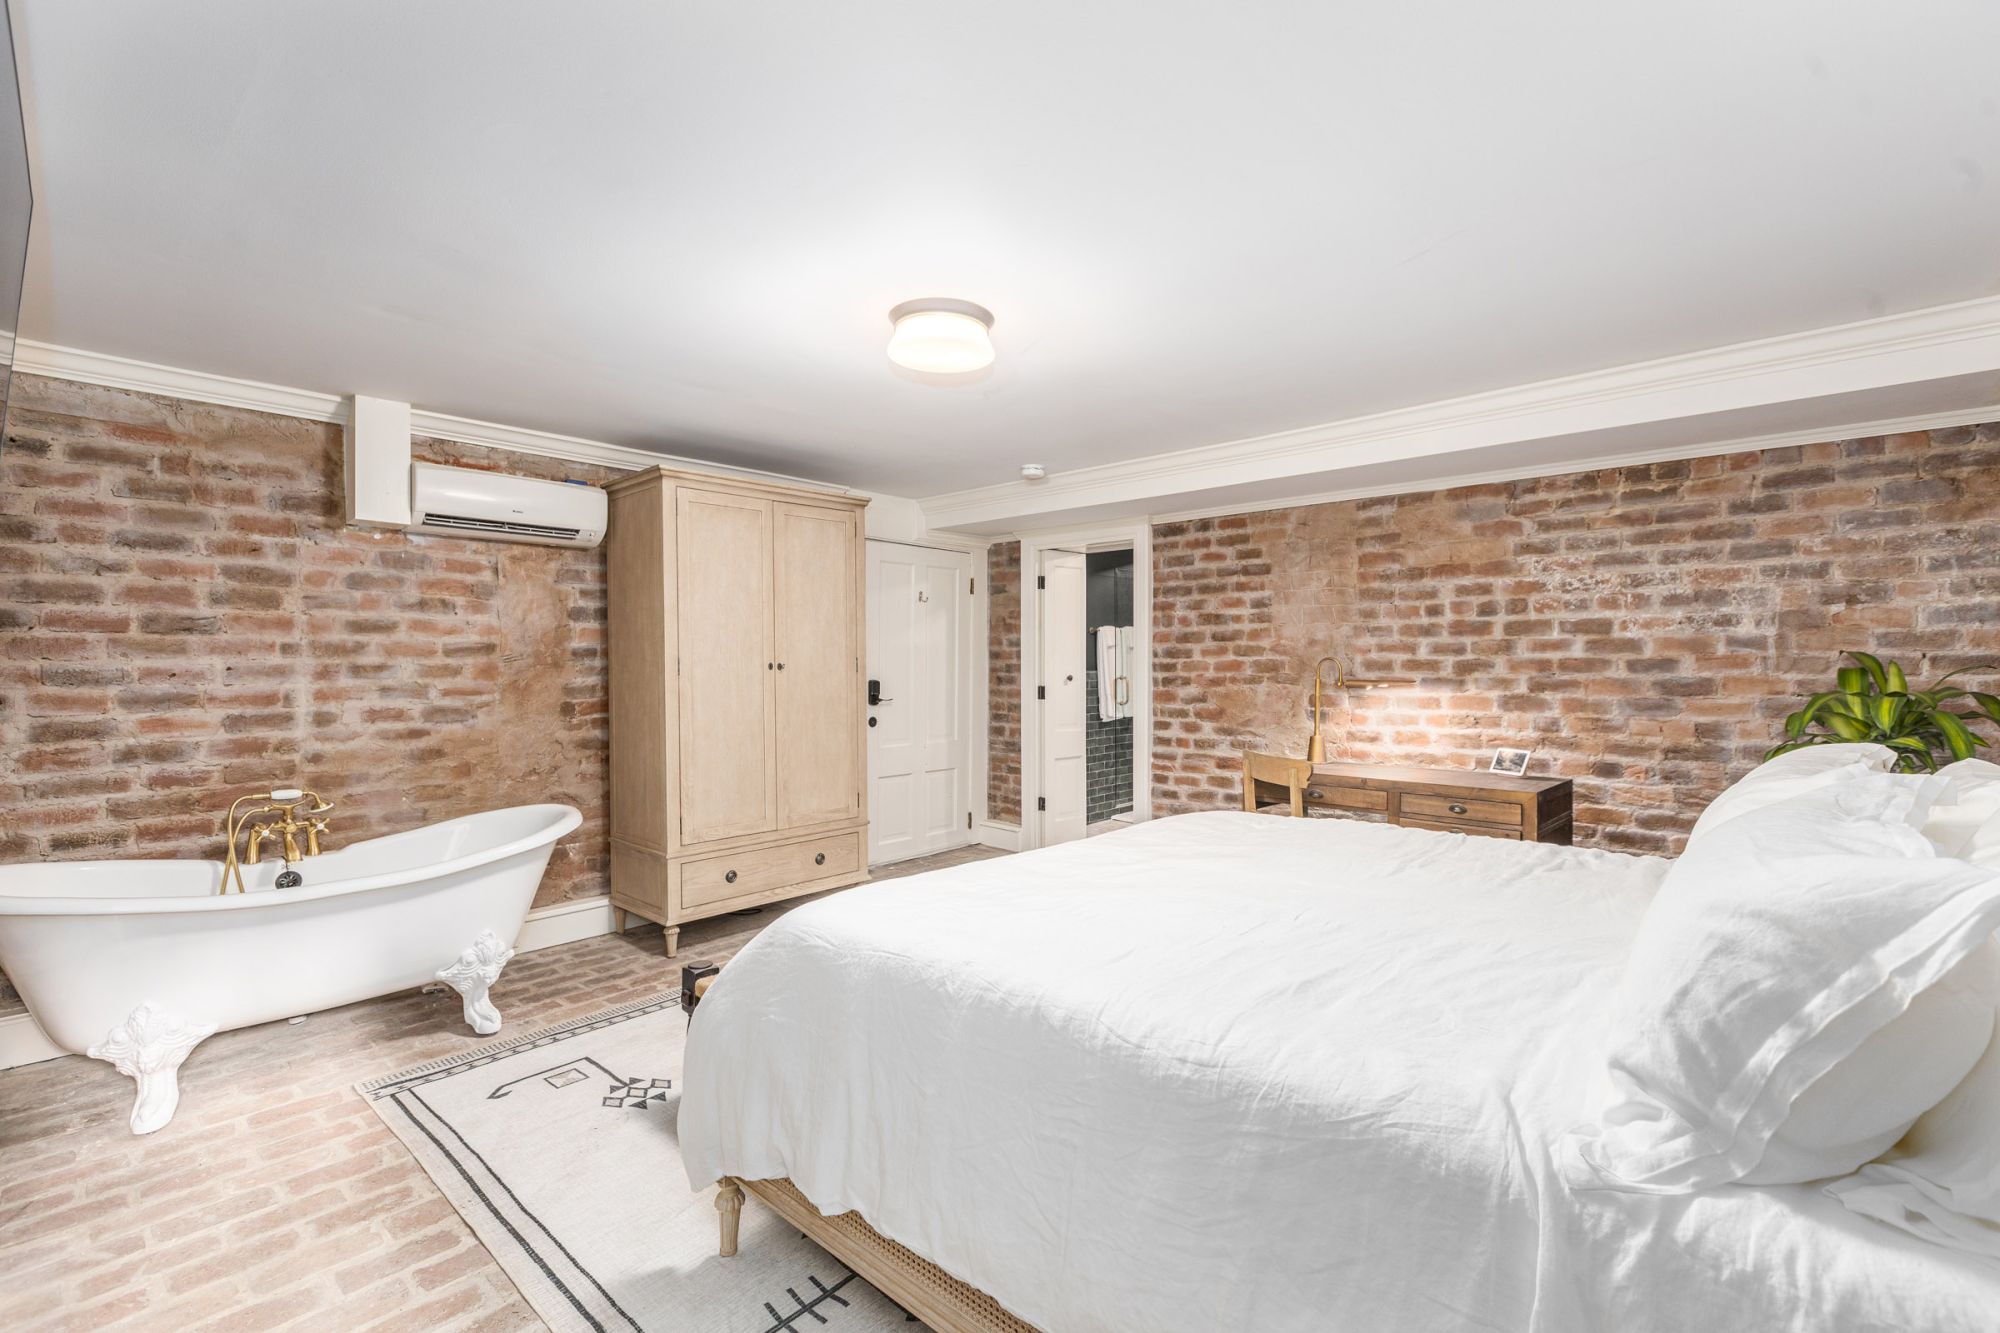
x: 729, y: 878
x: 820, y: 860
x: 1314, y: 793
x: 1456, y: 808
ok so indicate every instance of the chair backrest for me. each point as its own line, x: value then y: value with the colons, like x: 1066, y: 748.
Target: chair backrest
x: 1280, y: 777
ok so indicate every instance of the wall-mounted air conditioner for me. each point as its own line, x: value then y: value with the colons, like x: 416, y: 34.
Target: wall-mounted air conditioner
x: 492, y: 506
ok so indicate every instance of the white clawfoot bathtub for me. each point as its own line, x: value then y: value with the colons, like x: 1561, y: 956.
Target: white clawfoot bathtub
x: 135, y: 962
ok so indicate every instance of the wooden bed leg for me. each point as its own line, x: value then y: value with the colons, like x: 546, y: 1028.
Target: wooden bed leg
x: 673, y: 940
x: 729, y: 1203
x: 618, y: 919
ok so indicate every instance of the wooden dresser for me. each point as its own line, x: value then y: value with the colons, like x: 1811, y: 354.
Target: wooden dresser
x: 737, y: 705
x: 1489, y: 805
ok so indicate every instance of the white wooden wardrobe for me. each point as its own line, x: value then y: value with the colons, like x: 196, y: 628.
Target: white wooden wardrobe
x: 738, y: 769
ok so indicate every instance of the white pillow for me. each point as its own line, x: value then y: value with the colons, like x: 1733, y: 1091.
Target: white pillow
x: 1775, y: 948
x: 1942, y: 1182
x: 1963, y: 824
x: 1857, y: 1110
x: 1791, y: 774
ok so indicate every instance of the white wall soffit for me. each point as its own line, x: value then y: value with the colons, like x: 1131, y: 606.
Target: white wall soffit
x: 1927, y: 368
x: 117, y: 372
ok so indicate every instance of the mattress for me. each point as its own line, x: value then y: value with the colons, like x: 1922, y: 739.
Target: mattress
x: 1230, y: 1071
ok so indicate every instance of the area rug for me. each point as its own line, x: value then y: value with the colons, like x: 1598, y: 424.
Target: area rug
x: 559, y: 1149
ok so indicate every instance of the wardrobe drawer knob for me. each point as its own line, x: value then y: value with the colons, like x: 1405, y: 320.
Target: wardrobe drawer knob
x: 729, y: 878
x: 1456, y: 808
x: 820, y: 860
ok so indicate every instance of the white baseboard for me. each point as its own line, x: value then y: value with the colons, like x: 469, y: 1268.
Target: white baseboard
x: 1110, y: 825
x: 22, y: 1042
x: 564, y: 923
x: 991, y: 833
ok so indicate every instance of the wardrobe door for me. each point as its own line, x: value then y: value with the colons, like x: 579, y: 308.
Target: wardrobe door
x: 722, y: 546
x: 817, y: 553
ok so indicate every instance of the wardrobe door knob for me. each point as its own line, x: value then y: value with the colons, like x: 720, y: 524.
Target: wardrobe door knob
x: 729, y: 878
x: 820, y: 860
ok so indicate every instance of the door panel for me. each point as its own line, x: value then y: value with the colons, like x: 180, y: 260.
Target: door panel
x: 819, y: 686
x: 919, y: 638
x: 728, y: 780
x: 1063, y: 673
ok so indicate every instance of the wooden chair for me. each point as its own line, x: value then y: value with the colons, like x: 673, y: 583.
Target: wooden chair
x: 1263, y: 777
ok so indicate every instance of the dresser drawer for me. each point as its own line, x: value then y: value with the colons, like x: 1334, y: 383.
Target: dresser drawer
x: 1347, y: 798
x: 1450, y: 809
x: 1476, y: 830
x: 761, y: 871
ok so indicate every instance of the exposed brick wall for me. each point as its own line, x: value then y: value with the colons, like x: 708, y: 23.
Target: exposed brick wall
x: 1003, y: 682
x: 184, y: 617
x: 1644, y: 629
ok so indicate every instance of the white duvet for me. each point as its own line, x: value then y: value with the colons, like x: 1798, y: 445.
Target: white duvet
x: 1230, y: 1071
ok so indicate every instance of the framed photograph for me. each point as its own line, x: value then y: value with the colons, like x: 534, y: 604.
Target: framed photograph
x: 1513, y: 762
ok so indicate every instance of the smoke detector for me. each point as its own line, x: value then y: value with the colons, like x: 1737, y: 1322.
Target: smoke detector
x: 1033, y: 472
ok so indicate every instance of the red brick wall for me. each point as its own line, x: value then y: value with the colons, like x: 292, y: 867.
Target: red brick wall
x: 1003, y: 682
x: 185, y: 617
x: 1644, y: 629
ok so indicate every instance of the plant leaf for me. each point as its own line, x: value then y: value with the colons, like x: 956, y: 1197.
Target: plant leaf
x: 1873, y: 666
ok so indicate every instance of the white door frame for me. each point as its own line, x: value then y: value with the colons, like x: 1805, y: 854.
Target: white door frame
x: 1138, y: 537
x: 978, y: 716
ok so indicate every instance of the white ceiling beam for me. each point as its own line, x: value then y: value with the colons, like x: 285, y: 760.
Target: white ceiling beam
x: 1473, y: 434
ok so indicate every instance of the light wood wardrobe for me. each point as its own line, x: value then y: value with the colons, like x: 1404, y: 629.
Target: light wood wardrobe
x: 738, y: 762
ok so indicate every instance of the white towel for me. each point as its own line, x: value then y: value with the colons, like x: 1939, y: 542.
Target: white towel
x: 1110, y: 665
x: 1128, y: 649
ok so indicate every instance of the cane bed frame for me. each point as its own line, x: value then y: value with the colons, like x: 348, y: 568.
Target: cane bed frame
x: 922, y: 1288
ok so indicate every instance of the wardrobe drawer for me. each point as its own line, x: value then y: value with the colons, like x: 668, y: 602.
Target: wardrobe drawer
x: 1347, y: 798
x: 1476, y: 830
x: 759, y: 871
x: 1449, y: 808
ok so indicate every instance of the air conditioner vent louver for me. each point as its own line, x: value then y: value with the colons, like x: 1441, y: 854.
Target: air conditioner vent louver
x: 431, y: 520
x: 496, y: 507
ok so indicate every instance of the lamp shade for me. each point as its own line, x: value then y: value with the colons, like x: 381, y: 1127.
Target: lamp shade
x: 941, y: 337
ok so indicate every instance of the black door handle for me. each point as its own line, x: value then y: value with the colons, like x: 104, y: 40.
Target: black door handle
x: 875, y: 694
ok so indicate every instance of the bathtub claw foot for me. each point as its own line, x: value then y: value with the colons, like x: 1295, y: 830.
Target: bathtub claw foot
x: 473, y: 974
x: 148, y: 1048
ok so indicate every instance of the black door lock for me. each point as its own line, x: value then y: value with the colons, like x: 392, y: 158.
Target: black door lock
x: 875, y: 694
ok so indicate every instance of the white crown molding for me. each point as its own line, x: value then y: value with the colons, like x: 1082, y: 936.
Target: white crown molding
x: 118, y: 372
x: 1936, y: 343
x: 1636, y: 458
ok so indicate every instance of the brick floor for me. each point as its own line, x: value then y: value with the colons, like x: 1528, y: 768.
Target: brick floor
x: 276, y: 1198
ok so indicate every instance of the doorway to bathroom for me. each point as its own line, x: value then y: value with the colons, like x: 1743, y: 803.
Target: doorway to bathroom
x: 1109, y: 650
x: 1086, y: 644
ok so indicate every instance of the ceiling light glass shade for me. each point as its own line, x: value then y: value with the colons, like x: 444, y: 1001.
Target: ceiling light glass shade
x: 941, y: 337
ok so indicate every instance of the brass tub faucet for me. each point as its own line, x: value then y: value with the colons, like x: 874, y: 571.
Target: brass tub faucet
x: 298, y: 812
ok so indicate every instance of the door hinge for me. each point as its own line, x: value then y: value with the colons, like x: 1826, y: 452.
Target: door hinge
x: 1041, y: 803
x: 1041, y: 691
x: 971, y: 587
x: 1041, y: 580
x: 968, y: 819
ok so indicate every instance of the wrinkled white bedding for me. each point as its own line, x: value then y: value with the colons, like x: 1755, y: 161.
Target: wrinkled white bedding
x: 1231, y: 1071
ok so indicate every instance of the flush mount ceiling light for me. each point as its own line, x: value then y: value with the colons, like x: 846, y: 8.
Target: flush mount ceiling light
x: 941, y: 336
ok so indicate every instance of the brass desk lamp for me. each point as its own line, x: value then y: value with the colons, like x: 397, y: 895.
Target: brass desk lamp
x: 1316, y: 748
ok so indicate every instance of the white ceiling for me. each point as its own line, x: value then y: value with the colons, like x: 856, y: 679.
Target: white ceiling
x: 681, y: 227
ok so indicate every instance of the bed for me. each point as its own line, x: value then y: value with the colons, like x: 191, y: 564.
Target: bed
x: 1224, y: 1071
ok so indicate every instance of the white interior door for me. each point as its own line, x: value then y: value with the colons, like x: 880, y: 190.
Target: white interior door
x: 1064, y: 643
x: 919, y: 640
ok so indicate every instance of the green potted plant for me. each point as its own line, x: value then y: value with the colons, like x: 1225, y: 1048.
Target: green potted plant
x: 1873, y: 702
